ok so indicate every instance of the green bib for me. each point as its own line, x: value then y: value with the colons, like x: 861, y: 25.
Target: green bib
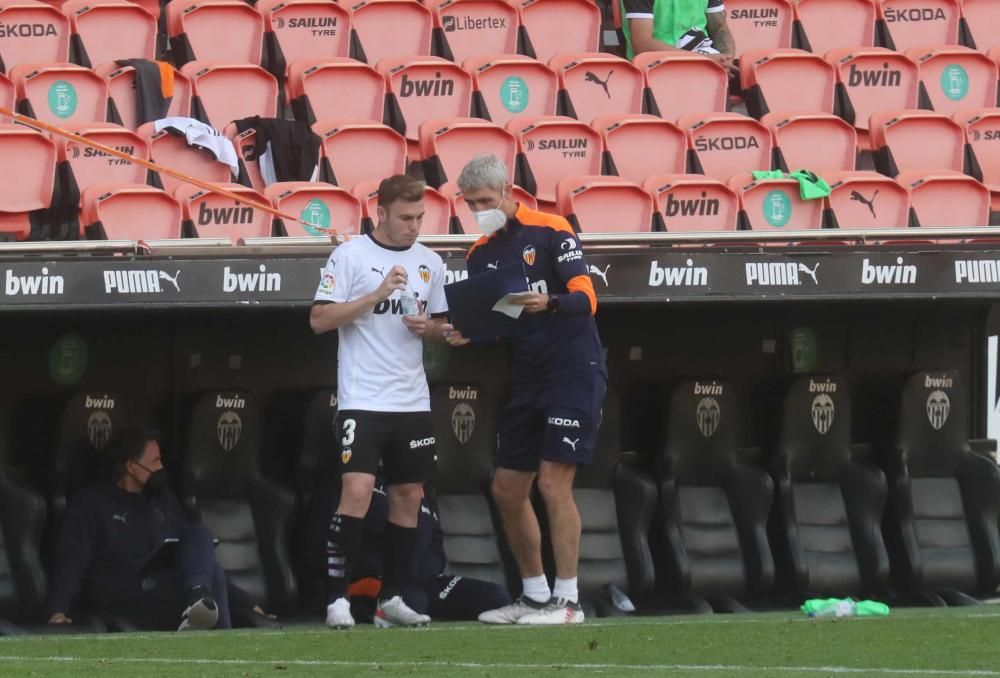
x: 671, y: 20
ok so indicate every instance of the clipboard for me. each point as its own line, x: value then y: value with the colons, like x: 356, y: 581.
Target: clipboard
x: 166, y: 554
x: 471, y: 302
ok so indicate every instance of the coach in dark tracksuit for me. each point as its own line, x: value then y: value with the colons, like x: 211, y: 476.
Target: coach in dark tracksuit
x: 112, y: 529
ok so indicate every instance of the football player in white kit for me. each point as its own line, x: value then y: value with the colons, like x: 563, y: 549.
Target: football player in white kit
x: 383, y: 293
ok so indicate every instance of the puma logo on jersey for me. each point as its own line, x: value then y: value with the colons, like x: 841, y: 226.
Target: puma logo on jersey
x: 120, y: 518
x: 378, y: 271
x: 571, y: 443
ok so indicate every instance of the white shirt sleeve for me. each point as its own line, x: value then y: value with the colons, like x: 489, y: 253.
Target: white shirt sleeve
x: 335, y: 281
x: 436, y: 300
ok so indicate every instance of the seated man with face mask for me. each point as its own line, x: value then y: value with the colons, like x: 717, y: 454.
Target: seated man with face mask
x: 105, y: 562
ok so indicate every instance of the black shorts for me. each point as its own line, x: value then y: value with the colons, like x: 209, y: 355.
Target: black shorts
x: 555, y: 422
x: 401, y: 442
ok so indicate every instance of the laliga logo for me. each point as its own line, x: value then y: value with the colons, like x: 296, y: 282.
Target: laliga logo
x: 425, y: 273
x: 938, y: 409
x: 708, y: 415
x: 463, y: 422
x: 229, y: 429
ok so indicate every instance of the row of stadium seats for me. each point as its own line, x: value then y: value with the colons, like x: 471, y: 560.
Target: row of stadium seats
x: 708, y: 526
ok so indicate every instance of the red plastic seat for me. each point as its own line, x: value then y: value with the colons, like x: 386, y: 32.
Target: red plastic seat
x: 770, y: 204
x: 553, y: 147
x: 866, y: 200
x: 955, y: 78
x: 303, y: 29
x: 447, y: 145
x: 222, y: 93
x: 595, y: 84
x: 786, y: 80
x: 390, y: 28
x: 462, y: 218
x: 471, y: 28
x: 51, y: 46
x: 324, y: 206
x: 7, y: 97
x: 61, y: 94
x: 85, y: 166
x: 982, y: 134
x: 322, y: 89
x: 173, y: 151
x: 245, y: 144
x: 837, y: 24
x: 511, y: 85
x: 983, y: 20
x: 108, y: 30
x: 760, y: 24
x: 912, y: 23
x: 131, y: 212
x: 705, y: 83
x: 423, y: 88
x: 725, y: 144
x: 212, y: 215
x: 942, y: 198
x: 603, y: 204
x: 813, y: 141
x: 358, y: 151
x: 223, y: 31
x: 559, y: 26
x: 906, y: 140
x: 638, y: 146
x: 691, y: 203
x: 28, y: 166
x: 121, y: 87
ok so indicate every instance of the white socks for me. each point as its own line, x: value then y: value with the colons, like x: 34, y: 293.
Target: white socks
x: 537, y: 588
x: 566, y: 588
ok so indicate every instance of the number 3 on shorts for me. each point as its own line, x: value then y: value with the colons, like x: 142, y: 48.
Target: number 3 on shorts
x: 349, y: 426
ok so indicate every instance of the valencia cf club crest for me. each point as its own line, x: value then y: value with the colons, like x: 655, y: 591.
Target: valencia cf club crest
x: 528, y: 254
x: 229, y: 430
x: 708, y: 413
x: 99, y: 429
x: 425, y: 274
x: 345, y: 456
x: 463, y: 422
x: 938, y: 409
x: 822, y: 413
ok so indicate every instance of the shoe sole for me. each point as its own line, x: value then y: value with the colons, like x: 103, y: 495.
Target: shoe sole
x: 384, y: 624
x: 339, y: 627
x: 565, y: 622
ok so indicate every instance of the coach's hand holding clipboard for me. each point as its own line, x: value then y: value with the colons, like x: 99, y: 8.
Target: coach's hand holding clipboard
x: 484, y: 306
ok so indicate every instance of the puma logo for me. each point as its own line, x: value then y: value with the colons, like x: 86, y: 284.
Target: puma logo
x: 171, y: 280
x: 603, y: 275
x: 378, y: 271
x: 591, y: 77
x: 494, y: 265
x: 571, y: 443
x: 811, y: 273
x: 857, y: 197
x: 120, y: 518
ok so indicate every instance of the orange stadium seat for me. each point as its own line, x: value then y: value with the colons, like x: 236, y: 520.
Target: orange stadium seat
x: 955, y: 78
x: 691, y: 203
x: 471, y: 28
x: 552, y: 27
x: 866, y: 200
x: 389, y: 28
x: 905, y: 24
x: 213, y: 215
x: 7, y: 97
x: 982, y: 19
x: 423, y: 88
x: 914, y: 140
x: 357, y: 151
x: 704, y: 83
x: 813, y: 141
x: 51, y: 46
x: 760, y: 24
x: 322, y: 206
x: 303, y: 29
x: 982, y: 136
x: 123, y: 108
x: 28, y: 166
x: 321, y: 89
x: 638, y: 146
x: 769, y: 204
x: 447, y: 144
x: 108, y: 30
x: 225, y: 31
x: 511, y: 85
x: 172, y: 151
x: 942, y: 198
x: 869, y: 80
x: 437, y: 208
x: 550, y: 148
x: 221, y: 93
x: 596, y: 84
x: 836, y: 24
x: 462, y: 219
x: 725, y: 144
x: 786, y: 80
x: 130, y: 212
x: 245, y: 144
x: 603, y: 204
x: 60, y: 94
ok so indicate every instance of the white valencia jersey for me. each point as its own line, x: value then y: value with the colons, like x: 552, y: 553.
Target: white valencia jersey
x: 380, y: 362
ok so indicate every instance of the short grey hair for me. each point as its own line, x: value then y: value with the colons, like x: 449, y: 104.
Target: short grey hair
x: 483, y: 171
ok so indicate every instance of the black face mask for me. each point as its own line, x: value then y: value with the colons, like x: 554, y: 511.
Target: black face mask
x: 156, y: 483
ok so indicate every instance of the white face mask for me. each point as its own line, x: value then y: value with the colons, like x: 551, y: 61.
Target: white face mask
x: 492, y: 220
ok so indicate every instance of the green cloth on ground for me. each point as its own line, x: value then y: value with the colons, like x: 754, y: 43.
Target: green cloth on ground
x: 821, y: 607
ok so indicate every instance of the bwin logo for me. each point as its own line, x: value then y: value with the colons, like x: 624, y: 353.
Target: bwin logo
x: 678, y: 276
x: 99, y: 429
x: 33, y: 285
x: 822, y: 413
x: 221, y: 216
x: 250, y: 282
x: 228, y: 430
x: 861, y: 77
x: 696, y: 207
x: 100, y: 403
x: 822, y: 387
x: 463, y: 422
x: 708, y: 415
x: 938, y: 382
x: 438, y: 87
x: 707, y: 389
x: 898, y: 274
x: 454, y: 276
x: 231, y: 402
x: 463, y: 393
x: 938, y: 408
